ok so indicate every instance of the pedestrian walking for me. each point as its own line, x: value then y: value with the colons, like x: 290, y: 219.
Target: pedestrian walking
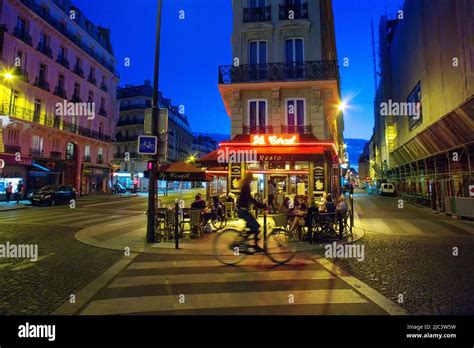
x: 19, y: 191
x: 8, y: 191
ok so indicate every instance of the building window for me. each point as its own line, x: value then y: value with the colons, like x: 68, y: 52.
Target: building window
x: 87, y: 151
x: 90, y: 97
x: 77, y: 89
x: 61, y: 82
x: 37, y: 110
x: 21, y: 25
x: 257, y: 115
x: 13, y: 137
x: 42, y: 73
x: 414, y: 100
x: 295, y: 111
x: 43, y: 42
x: 294, y: 57
x: 256, y: 3
x: 71, y: 151
x: 37, y: 143
x: 257, y: 52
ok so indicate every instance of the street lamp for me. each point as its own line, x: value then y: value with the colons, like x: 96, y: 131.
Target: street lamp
x: 150, y: 229
x: 8, y: 76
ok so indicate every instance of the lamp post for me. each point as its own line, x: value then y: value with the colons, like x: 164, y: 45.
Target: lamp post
x: 150, y: 230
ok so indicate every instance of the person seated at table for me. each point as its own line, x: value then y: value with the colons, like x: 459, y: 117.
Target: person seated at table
x: 313, y: 210
x: 341, y: 204
x: 329, y: 209
x: 285, y: 206
x: 299, y: 213
x: 216, y: 206
x: 198, y: 203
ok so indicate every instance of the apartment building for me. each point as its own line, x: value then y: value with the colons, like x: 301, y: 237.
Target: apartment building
x: 426, y: 60
x: 134, y: 100
x: 50, y: 55
x: 282, y: 93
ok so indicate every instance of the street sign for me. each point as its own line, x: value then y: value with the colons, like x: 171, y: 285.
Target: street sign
x: 162, y: 121
x: 471, y: 190
x: 147, y: 145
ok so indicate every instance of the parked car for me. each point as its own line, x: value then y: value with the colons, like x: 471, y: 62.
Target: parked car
x: 386, y: 189
x: 53, y: 195
x: 118, y: 188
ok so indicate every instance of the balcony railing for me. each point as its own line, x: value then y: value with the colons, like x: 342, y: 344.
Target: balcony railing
x: 56, y: 155
x: 134, y: 107
x: 12, y: 149
x: 63, y: 61
x: 100, y: 159
x: 78, y: 71
x: 35, y: 7
x: 298, y: 129
x: 87, y: 159
x: 23, y: 35
x: 299, y: 71
x: 291, y: 12
x: 103, y: 112
x: 36, y: 153
x: 130, y: 122
x: 60, y: 92
x: 76, y: 99
x: 104, y: 87
x: 257, y: 129
x: 258, y: 14
x: 46, y: 50
x: 42, y: 83
x: 21, y: 73
x: 92, y: 80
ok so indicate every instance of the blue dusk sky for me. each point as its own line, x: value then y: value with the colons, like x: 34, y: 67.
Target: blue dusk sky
x: 193, y: 48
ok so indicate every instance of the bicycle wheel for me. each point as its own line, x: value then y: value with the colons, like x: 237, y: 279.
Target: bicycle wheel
x: 227, y: 247
x: 281, y: 247
x: 217, y: 222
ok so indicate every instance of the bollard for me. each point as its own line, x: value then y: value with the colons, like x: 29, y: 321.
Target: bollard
x: 264, y: 230
x: 176, y: 224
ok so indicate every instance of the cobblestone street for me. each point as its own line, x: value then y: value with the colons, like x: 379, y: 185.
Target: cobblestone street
x: 64, y: 267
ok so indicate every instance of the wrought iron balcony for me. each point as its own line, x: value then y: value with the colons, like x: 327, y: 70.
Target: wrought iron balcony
x: 258, y: 14
x: 130, y: 122
x: 87, y: 159
x: 21, y: 73
x: 104, y: 87
x: 56, y: 155
x: 78, y: 71
x: 100, y: 159
x: 63, y: 61
x: 290, y: 12
x: 60, y: 92
x: 257, y: 130
x: 92, y: 80
x: 103, y: 112
x: 272, y: 72
x: 298, y: 129
x: 46, y: 50
x: 42, y: 83
x: 23, y: 35
x: 36, y: 153
x: 12, y: 149
x: 76, y: 99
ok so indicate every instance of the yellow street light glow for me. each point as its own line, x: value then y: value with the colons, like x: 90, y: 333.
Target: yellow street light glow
x: 8, y: 76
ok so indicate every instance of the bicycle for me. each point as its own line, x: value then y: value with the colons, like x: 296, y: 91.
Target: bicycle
x: 231, y: 246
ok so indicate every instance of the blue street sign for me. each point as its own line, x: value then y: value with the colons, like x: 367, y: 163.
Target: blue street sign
x: 147, y: 145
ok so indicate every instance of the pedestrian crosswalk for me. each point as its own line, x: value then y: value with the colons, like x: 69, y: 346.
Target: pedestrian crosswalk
x: 204, y: 286
x: 65, y: 217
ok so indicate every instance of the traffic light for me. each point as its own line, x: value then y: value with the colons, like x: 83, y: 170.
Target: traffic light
x: 150, y: 165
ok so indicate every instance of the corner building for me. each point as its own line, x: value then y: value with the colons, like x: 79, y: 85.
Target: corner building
x: 282, y: 93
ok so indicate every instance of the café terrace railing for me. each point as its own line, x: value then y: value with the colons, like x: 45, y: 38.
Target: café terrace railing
x: 272, y: 72
x: 47, y: 120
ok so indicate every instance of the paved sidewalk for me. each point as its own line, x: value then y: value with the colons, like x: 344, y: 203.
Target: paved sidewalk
x: 13, y: 205
x: 130, y: 232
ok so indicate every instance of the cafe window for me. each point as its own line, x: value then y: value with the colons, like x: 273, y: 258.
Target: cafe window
x: 258, y: 113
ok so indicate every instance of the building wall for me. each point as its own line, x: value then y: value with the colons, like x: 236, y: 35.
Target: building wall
x: 104, y: 89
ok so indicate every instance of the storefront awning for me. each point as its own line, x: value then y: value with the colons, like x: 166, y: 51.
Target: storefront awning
x: 180, y: 171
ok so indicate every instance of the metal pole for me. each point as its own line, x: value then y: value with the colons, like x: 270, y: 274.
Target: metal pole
x: 264, y: 230
x: 176, y: 224
x: 352, y: 209
x: 150, y: 230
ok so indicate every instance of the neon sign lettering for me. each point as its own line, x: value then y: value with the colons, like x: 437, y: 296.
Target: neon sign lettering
x: 275, y: 139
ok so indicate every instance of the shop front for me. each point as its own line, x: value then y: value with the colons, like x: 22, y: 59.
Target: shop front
x: 289, y: 164
x: 94, y: 179
x: 13, y: 170
x: 45, y: 172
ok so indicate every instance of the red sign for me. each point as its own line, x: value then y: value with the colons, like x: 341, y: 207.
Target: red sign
x: 274, y: 139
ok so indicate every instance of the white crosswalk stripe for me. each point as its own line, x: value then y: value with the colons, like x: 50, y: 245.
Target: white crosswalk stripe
x: 134, y: 292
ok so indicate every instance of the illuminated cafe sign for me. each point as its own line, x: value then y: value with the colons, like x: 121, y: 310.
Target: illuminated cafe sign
x: 274, y: 139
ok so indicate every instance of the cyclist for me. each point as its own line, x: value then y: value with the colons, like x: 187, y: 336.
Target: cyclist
x: 243, y: 207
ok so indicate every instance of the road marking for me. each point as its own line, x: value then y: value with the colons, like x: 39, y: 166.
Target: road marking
x: 380, y: 300
x: 86, y: 294
x: 208, y: 263
x: 102, y: 219
x: 144, y: 304
x: 120, y: 200
x: 219, y: 278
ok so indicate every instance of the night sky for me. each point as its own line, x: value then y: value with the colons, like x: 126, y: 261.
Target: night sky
x: 192, y: 49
